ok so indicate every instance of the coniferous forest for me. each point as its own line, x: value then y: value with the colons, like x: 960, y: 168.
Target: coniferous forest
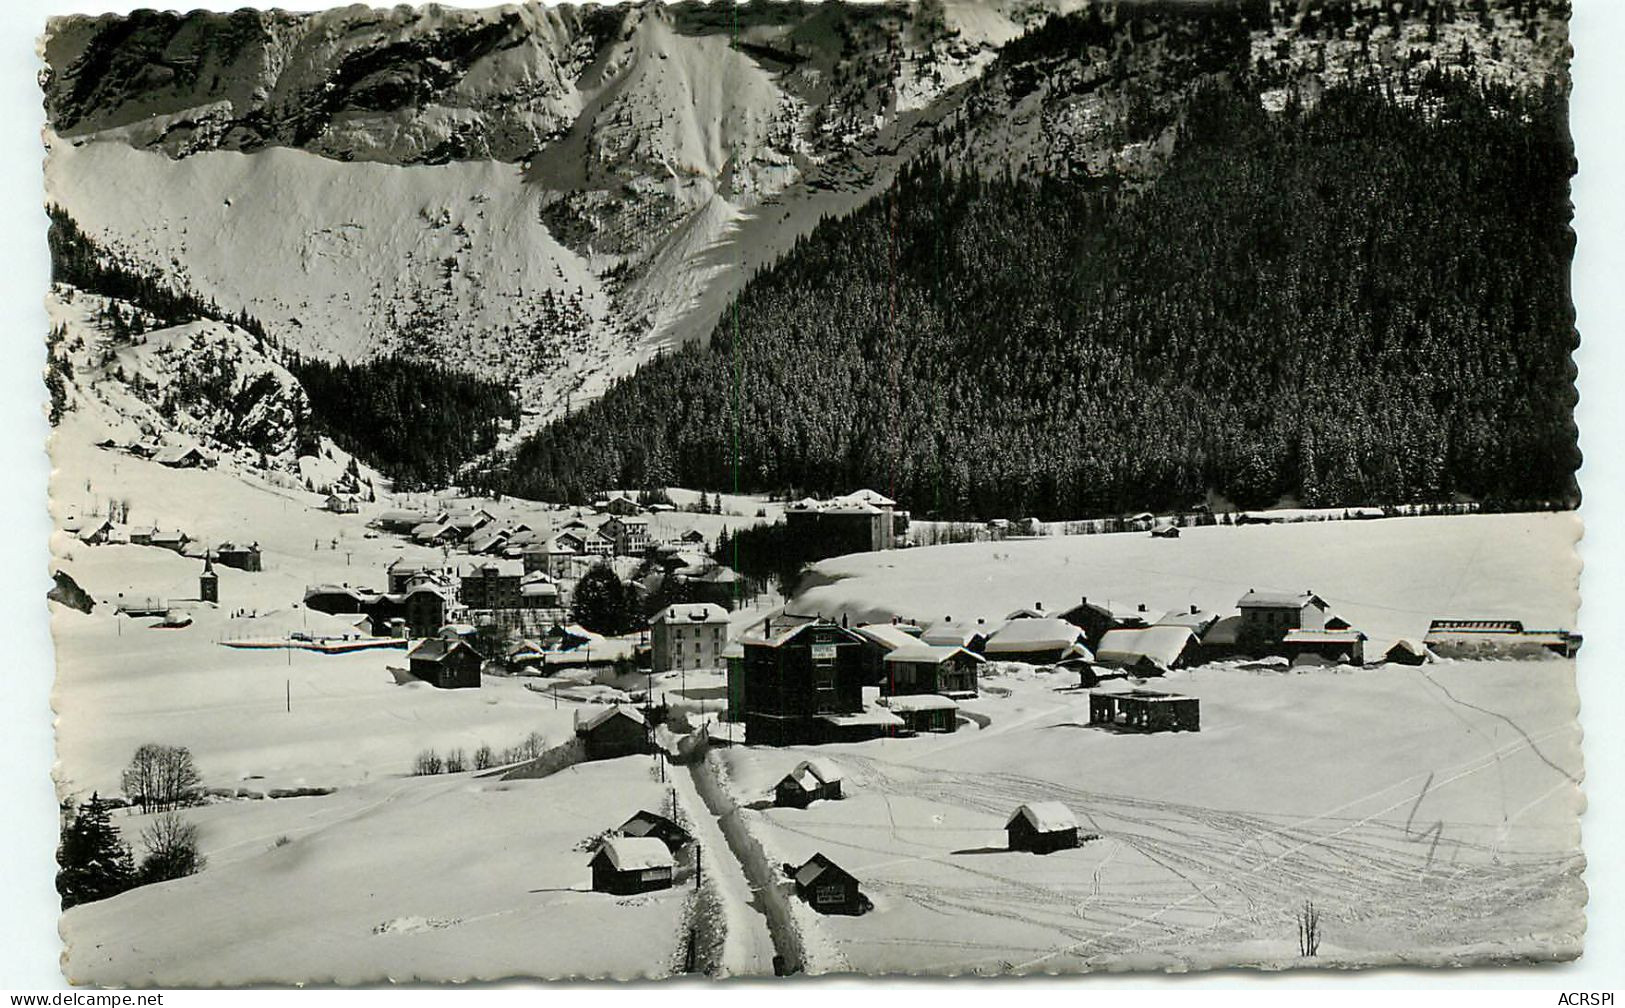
x: 415, y: 421
x: 1360, y: 301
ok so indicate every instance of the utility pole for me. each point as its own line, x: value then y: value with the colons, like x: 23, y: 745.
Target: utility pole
x: 287, y: 688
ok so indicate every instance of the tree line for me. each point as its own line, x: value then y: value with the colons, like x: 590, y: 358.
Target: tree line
x: 1356, y: 302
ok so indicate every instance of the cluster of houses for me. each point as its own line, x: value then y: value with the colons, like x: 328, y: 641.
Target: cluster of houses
x: 183, y: 456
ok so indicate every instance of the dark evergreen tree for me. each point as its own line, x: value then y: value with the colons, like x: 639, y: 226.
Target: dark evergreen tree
x: 94, y: 861
x: 602, y: 602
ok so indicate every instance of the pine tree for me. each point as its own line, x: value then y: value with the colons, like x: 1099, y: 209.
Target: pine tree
x: 94, y: 861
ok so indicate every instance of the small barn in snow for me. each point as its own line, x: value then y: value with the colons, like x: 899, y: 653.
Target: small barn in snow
x: 925, y: 712
x: 626, y: 865
x: 1042, y: 827
x: 810, y: 781
x: 828, y: 887
x: 613, y: 731
x: 1152, y: 650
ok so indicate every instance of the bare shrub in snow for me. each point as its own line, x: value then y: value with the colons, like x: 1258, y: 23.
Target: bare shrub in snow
x: 428, y: 763
x: 1308, y: 929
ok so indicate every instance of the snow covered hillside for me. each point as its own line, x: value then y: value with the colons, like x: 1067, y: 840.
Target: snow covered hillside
x: 1388, y: 577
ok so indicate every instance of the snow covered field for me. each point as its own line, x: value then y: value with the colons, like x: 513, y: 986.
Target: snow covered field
x: 445, y: 878
x: 1430, y: 814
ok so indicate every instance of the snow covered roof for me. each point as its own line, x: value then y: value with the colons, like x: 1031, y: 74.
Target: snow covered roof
x: 816, y: 867
x: 1255, y: 599
x: 436, y: 649
x: 688, y: 613
x: 803, y: 779
x: 493, y: 568
x: 934, y: 654
x: 919, y: 702
x: 821, y: 768
x: 775, y: 631
x: 1160, y: 645
x: 872, y: 718
x: 588, y: 720
x: 539, y: 589
x: 867, y: 496
x: 955, y: 632
x: 635, y: 853
x: 1045, y: 816
x: 1032, y: 635
x: 643, y: 823
x: 887, y: 635
x: 1198, y: 620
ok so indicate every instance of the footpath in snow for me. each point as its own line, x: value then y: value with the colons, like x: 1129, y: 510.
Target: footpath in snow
x: 749, y: 947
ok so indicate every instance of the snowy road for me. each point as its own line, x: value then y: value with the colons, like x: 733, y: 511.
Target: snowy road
x: 748, y: 949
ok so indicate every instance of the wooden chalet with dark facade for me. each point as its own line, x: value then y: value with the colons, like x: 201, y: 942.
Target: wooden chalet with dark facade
x: 828, y: 887
x: 803, y: 682
x: 446, y: 663
x: 917, y: 667
x: 612, y: 732
x: 812, y: 780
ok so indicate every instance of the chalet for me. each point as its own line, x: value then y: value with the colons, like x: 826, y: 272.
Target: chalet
x: 715, y: 583
x: 1152, y: 650
x: 918, y: 667
x: 648, y: 824
x: 525, y: 657
x: 693, y: 537
x: 621, y: 506
x: 811, y: 780
x: 1096, y: 618
x: 1267, y: 616
x: 342, y: 503
x: 1042, y: 827
x: 492, y: 584
x: 1222, y: 639
x: 88, y: 530
x: 1195, y: 619
x: 431, y: 533
x: 1145, y: 710
x: 829, y: 888
x: 538, y: 591
x: 339, y: 599
x: 560, y: 638
x: 629, y: 865
x: 486, y: 541
x: 1165, y: 530
x: 880, y: 640
x: 613, y: 731
x: 1035, y: 612
x: 1345, y: 647
x: 803, y: 682
x: 688, y: 636
x: 1480, y: 638
x: 1036, y: 641
x: 925, y: 712
x: 1405, y: 652
x: 399, y: 520
x: 175, y: 540
x: 446, y: 664
x: 402, y: 573
x: 245, y: 558
x: 141, y: 535
x: 630, y: 534
x: 968, y: 634
x: 181, y: 458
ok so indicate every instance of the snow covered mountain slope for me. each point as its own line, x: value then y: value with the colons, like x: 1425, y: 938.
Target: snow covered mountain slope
x: 549, y: 195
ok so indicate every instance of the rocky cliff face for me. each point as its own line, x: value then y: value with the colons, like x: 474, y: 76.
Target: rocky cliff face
x: 551, y: 194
